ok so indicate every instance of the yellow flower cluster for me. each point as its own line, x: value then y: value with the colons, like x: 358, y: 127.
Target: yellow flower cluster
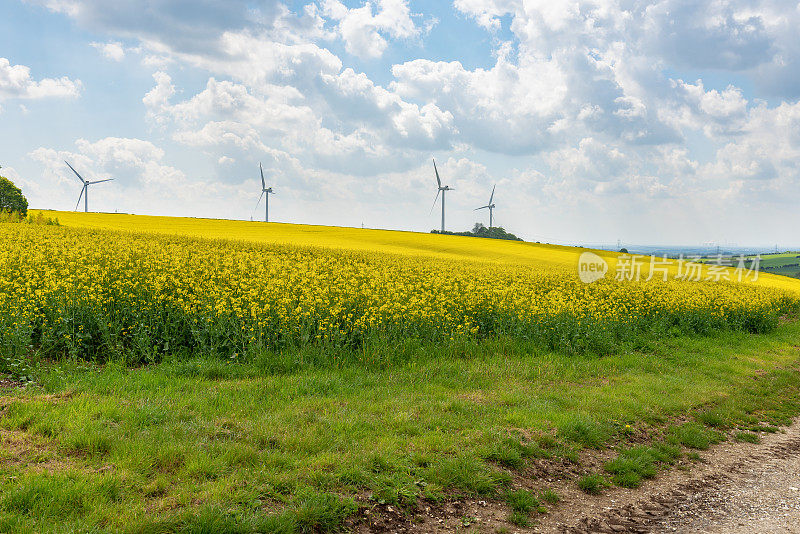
x: 77, y: 289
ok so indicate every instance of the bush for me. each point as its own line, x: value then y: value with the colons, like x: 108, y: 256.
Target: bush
x: 19, y: 217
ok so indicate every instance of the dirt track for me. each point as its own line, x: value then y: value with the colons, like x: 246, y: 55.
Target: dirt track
x: 763, y: 497
x: 737, y: 488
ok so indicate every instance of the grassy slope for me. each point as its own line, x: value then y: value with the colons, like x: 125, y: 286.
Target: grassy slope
x: 172, y: 446
x: 539, y: 256
x: 783, y: 264
x: 779, y: 260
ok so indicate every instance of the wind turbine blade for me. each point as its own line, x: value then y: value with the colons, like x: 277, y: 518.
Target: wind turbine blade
x: 79, y: 196
x: 435, y: 199
x: 100, y: 181
x: 491, y: 197
x: 76, y: 172
x: 263, y: 184
x: 481, y: 208
x: 438, y: 180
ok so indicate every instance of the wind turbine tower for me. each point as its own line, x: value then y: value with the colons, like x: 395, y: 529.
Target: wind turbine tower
x: 85, y: 189
x: 264, y: 191
x: 442, y: 189
x: 490, y: 207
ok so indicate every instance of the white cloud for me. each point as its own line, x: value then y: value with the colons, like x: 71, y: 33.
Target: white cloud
x: 255, y: 60
x: 156, y: 101
x: 715, y: 112
x: 719, y: 35
x: 371, y: 122
x: 364, y: 29
x: 590, y: 160
x: 767, y: 147
x: 113, y: 50
x: 222, y: 133
x: 10, y: 173
x: 485, y: 12
x: 16, y: 82
x: 508, y: 108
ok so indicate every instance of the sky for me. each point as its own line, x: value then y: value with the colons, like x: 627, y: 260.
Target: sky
x: 674, y: 122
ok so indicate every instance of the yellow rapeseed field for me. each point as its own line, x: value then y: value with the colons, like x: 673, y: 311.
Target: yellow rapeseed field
x: 538, y: 256
x: 139, y: 287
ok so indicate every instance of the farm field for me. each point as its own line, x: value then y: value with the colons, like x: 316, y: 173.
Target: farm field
x: 366, y: 240
x: 783, y: 263
x: 354, y: 239
x: 104, y: 293
x: 778, y: 260
x: 183, y: 375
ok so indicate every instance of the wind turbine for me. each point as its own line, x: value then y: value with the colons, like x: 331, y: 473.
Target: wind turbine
x: 85, y: 189
x: 442, y: 190
x: 490, y: 206
x: 264, y: 191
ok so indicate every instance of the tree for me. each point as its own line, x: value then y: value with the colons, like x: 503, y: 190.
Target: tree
x: 480, y: 230
x: 11, y: 197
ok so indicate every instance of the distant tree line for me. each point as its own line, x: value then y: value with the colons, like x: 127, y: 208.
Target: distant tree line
x: 479, y: 230
x: 785, y: 265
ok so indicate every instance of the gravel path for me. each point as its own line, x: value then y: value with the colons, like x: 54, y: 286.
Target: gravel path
x: 740, y: 488
x: 737, y: 488
x: 763, y: 498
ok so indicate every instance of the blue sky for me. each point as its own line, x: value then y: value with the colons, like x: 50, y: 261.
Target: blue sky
x: 666, y: 122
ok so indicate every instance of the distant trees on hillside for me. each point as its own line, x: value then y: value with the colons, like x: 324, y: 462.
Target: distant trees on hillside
x: 479, y: 230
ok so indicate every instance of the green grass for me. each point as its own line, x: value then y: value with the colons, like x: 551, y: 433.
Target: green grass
x: 247, y: 447
x: 637, y: 463
x: 593, y: 483
x: 522, y: 503
x: 748, y: 437
x: 549, y: 496
x: 694, y: 436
